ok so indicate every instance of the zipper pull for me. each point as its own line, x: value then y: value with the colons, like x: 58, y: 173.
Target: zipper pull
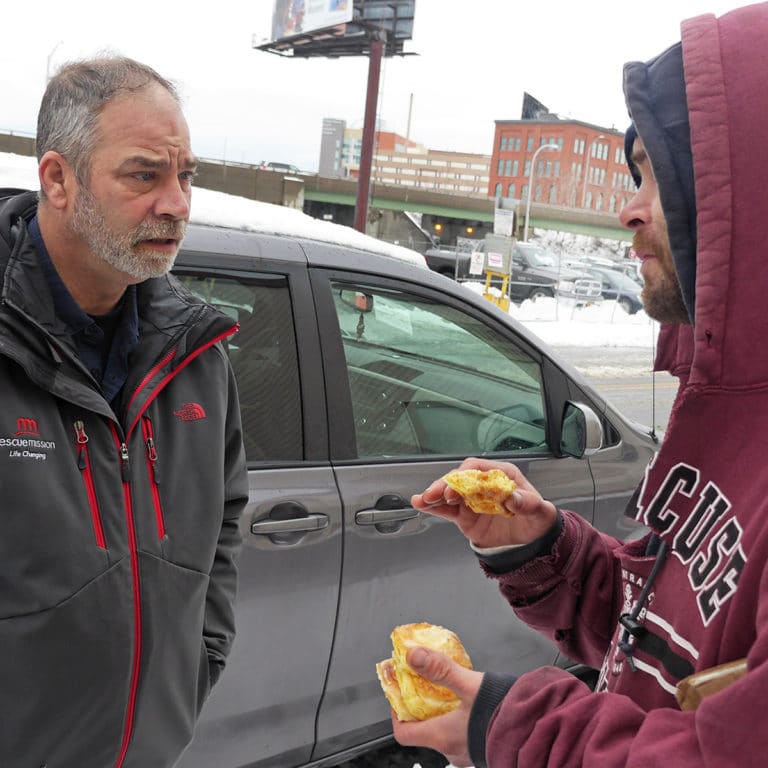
x: 81, y: 439
x: 80, y: 435
x: 125, y: 465
x: 149, y: 441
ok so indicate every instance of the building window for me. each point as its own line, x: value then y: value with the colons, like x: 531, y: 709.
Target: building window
x: 553, y: 194
x: 497, y: 190
x: 529, y: 146
x: 508, y: 168
x: 588, y: 200
x: 524, y: 192
x: 537, y: 196
x: 511, y: 190
x: 500, y: 169
x: 599, y: 205
x: 516, y: 168
x: 527, y: 171
x: 557, y: 168
x: 612, y: 204
x: 548, y: 171
x: 503, y: 144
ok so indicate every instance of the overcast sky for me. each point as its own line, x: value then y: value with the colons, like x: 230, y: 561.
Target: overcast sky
x: 474, y: 61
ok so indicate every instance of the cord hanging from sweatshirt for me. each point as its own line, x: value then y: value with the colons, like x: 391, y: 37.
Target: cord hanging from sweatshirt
x: 645, y: 640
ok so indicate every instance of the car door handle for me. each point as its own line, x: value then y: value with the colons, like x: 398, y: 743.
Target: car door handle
x: 375, y: 516
x: 287, y: 523
x: 267, y: 527
x: 389, y: 508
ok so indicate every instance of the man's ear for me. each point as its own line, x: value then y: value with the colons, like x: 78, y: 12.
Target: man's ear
x: 57, y: 179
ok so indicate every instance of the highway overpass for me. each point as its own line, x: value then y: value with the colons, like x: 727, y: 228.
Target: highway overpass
x: 335, y: 198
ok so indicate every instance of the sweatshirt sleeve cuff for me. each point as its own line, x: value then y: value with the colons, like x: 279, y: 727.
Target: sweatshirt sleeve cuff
x: 512, y: 558
x: 492, y: 691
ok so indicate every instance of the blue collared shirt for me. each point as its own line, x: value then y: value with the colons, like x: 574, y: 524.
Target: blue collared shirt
x: 105, y: 355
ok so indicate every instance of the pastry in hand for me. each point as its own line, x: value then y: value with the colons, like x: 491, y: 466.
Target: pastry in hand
x: 411, y: 696
x: 483, y: 491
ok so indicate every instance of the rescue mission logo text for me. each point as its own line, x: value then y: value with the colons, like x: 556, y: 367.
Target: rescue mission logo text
x: 27, y: 443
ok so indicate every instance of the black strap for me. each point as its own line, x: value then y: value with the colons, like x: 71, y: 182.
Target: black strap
x: 650, y: 643
x: 645, y: 640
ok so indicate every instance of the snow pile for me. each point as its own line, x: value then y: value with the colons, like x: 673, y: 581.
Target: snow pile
x: 562, y: 324
x: 564, y: 244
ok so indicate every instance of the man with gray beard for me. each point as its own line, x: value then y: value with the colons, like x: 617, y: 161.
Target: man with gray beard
x: 123, y: 476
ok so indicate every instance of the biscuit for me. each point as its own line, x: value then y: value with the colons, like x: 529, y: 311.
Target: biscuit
x: 483, y: 491
x: 411, y: 696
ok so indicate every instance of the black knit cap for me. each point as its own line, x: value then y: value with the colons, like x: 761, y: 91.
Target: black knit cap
x: 655, y: 96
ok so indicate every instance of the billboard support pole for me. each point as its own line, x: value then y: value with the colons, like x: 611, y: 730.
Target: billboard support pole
x: 376, y: 50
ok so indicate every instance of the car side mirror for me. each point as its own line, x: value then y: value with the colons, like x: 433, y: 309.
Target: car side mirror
x: 581, y: 432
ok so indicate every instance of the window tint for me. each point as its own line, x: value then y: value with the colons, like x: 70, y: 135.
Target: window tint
x: 426, y: 378
x: 263, y: 355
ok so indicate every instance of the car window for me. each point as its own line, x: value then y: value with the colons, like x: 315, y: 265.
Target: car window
x: 426, y: 378
x: 624, y: 282
x: 264, y: 359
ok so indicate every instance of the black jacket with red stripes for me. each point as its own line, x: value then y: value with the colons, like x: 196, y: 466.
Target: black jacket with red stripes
x: 118, y: 529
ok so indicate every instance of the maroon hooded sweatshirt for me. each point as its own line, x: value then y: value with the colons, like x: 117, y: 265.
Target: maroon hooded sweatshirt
x: 705, y: 494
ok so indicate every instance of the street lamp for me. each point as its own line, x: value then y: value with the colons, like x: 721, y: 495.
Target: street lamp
x: 586, y: 170
x: 530, y: 186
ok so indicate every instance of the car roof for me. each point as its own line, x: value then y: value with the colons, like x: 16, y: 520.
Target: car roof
x: 227, y: 241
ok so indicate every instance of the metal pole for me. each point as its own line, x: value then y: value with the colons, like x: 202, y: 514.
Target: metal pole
x: 369, y: 134
x: 530, y: 186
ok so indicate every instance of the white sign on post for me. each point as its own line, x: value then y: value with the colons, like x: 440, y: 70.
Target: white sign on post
x: 476, y: 262
x: 495, y: 260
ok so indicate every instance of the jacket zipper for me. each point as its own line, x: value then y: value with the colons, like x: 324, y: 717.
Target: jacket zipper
x: 125, y: 470
x: 152, y: 471
x: 84, y: 464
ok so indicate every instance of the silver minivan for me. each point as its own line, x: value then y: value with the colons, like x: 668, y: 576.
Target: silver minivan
x: 363, y: 378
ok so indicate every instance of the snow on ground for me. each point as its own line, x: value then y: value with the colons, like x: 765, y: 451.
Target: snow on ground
x: 562, y: 324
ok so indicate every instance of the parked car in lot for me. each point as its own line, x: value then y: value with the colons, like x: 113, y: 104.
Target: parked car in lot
x: 363, y: 378
x: 535, y: 274
x: 617, y: 286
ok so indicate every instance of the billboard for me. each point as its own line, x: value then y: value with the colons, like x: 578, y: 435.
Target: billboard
x: 333, y: 28
x: 297, y: 17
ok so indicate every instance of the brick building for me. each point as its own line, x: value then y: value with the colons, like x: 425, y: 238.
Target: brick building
x: 585, y: 169
x: 401, y: 161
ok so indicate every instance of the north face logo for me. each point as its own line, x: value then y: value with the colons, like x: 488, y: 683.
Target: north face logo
x: 190, y: 412
x: 27, y: 427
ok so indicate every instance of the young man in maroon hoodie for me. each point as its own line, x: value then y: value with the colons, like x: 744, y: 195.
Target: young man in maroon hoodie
x: 692, y: 594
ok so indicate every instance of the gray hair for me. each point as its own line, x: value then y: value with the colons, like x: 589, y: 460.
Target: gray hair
x: 68, y: 120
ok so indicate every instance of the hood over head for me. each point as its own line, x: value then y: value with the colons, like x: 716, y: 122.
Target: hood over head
x: 700, y: 109
x: 656, y: 99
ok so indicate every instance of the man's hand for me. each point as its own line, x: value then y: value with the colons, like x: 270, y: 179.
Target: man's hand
x: 446, y: 733
x: 533, y: 516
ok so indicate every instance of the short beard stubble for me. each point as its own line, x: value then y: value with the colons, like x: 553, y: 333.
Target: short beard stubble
x: 119, y: 249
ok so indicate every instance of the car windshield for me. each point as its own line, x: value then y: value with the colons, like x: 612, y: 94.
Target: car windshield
x: 536, y: 256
